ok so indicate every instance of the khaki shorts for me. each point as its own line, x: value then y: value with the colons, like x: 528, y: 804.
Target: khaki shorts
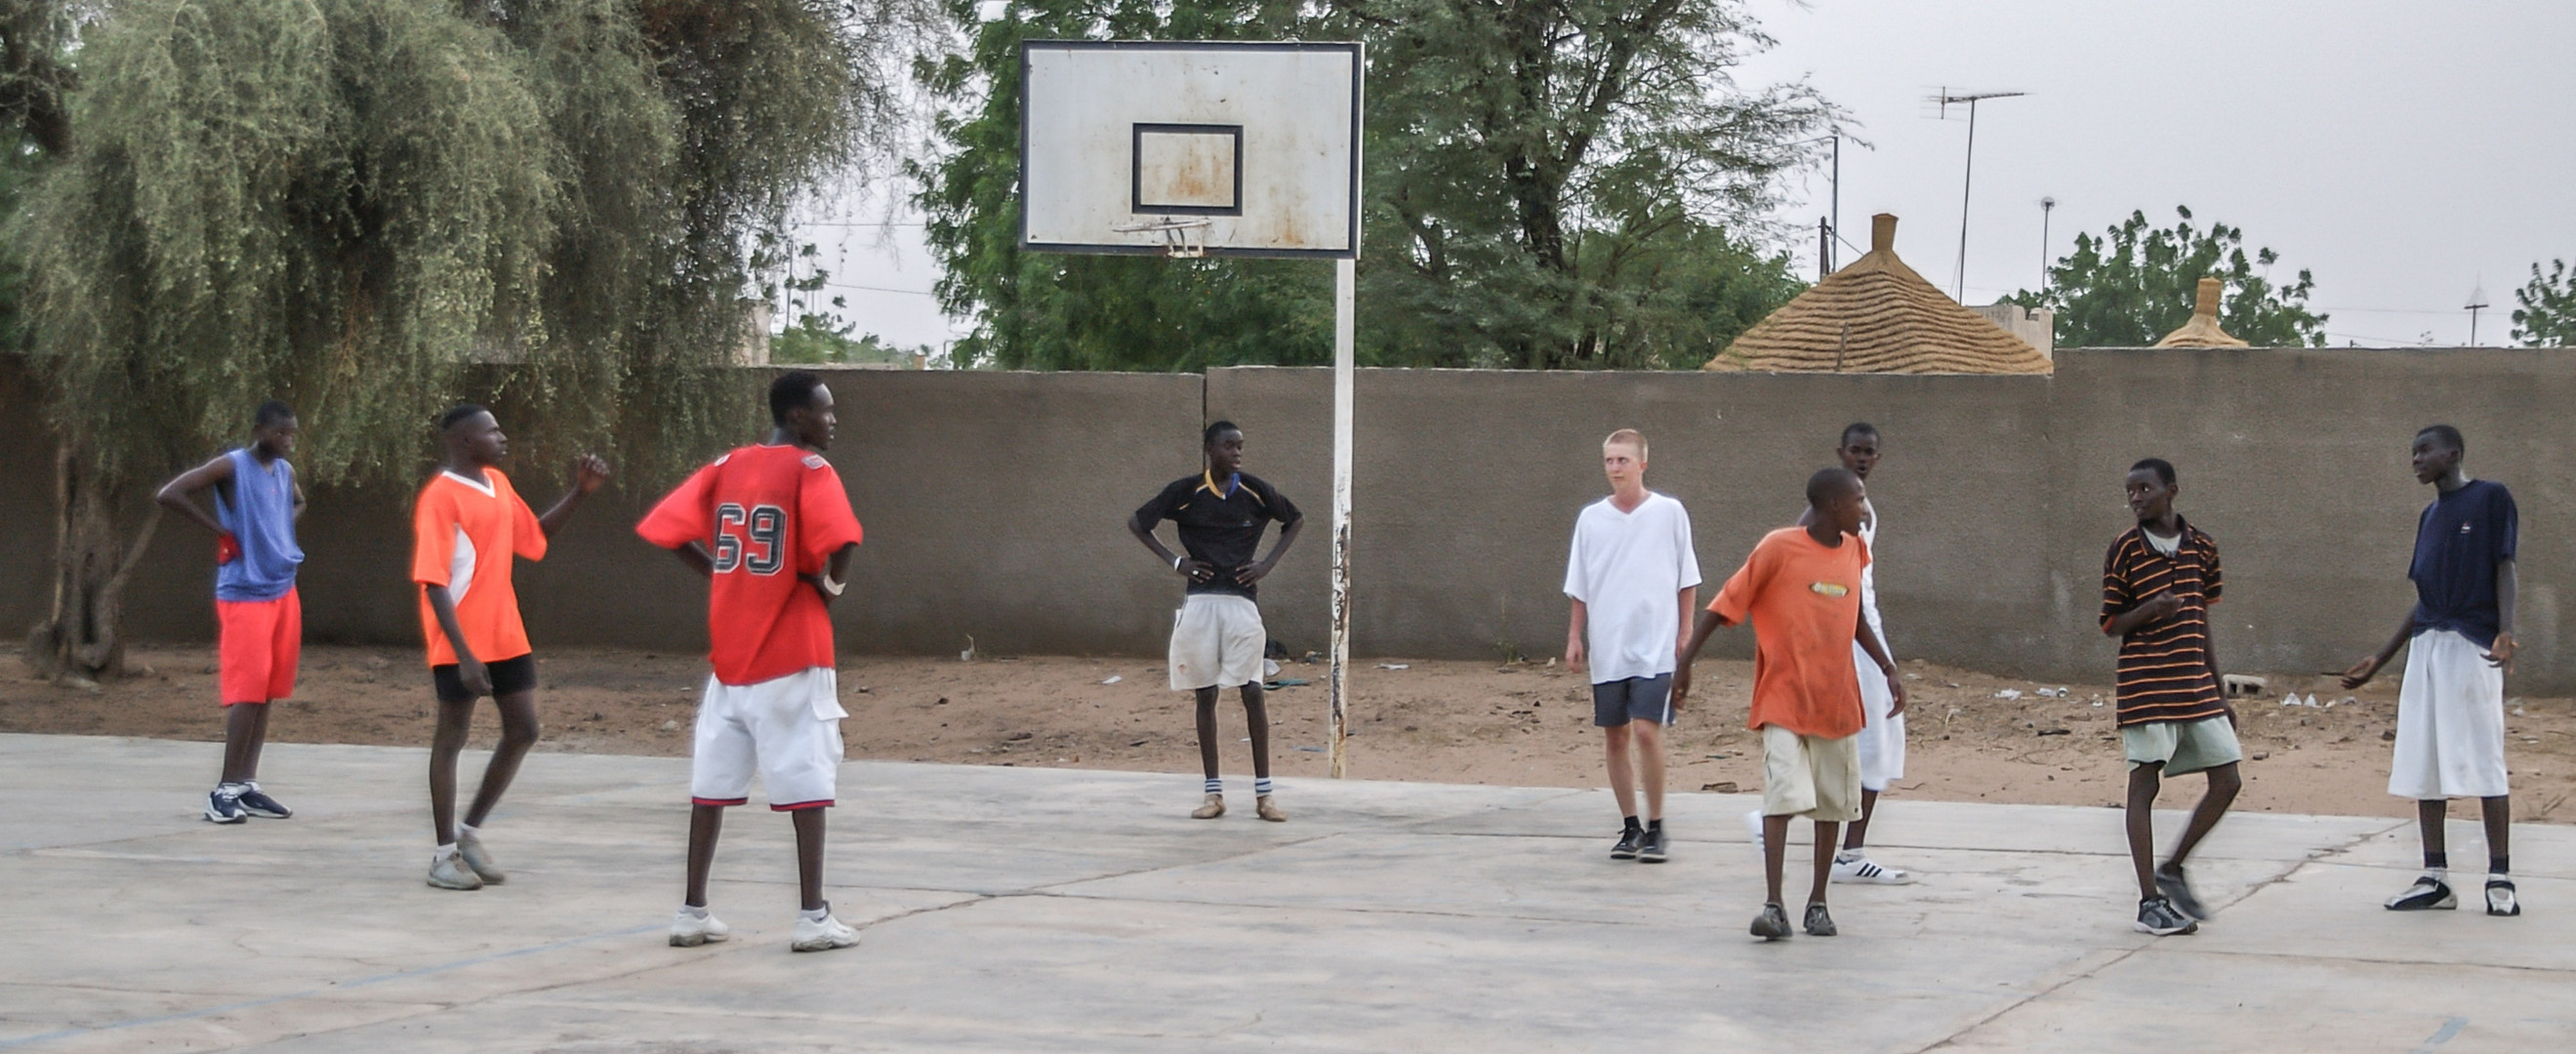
x: 2183, y: 747
x: 1810, y: 776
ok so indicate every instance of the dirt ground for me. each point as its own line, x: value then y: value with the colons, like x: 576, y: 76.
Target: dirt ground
x: 1450, y: 721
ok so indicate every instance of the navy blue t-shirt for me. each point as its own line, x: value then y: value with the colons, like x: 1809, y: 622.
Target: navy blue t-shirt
x: 2463, y: 536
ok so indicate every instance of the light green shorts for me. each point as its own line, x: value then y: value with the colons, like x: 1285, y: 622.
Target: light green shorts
x: 2183, y: 747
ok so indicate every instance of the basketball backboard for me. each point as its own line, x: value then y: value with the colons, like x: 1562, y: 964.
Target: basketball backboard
x: 1187, y: 148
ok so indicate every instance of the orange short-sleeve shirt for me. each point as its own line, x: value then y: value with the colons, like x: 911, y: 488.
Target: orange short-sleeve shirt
x: 1804, y: 599
x: 464, y: 536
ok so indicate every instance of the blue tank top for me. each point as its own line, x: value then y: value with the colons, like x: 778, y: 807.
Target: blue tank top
x: 261, y: 517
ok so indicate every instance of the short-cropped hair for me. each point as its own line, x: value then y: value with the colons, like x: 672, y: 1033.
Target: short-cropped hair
x: 1629, y: 436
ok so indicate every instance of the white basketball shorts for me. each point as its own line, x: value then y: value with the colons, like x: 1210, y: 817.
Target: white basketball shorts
x: 1217, y: 642
x: 787, y: 729
x: 2450, y: 721
x: 1882, y: 738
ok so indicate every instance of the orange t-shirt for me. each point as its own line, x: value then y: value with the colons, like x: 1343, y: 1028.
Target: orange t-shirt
x: 464, y: 535
x: 1804, y: 600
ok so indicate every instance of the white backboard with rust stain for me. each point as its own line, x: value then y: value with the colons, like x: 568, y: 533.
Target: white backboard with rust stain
x: 1257, y: 140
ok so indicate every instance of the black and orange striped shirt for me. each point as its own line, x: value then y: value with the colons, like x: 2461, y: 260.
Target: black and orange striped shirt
x: 2165, y: 670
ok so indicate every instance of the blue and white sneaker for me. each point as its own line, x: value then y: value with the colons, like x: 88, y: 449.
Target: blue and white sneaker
x: 256, y: 803
x: 223, y: 804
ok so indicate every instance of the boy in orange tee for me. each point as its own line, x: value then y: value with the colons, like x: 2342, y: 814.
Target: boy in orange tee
x: 1801, y: 587
x: 467, y: 527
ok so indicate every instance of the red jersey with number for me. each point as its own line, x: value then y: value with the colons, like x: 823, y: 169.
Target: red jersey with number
x: 770, y: 516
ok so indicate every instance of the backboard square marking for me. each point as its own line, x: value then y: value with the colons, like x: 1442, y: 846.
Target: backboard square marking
x: 1188, y: 169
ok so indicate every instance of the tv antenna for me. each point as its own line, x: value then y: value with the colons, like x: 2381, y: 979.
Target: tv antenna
x: 1943, y: 100
x: 2477, y: 302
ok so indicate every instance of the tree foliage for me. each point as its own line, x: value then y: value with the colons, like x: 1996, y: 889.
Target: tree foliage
x: 349, y: 203
x: 2545, y: 315
x: 1547, y: 185
x: 2135, y: 283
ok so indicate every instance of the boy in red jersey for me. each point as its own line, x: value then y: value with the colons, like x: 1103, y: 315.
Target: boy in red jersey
x: 467, y: 526
x: 771, y: 528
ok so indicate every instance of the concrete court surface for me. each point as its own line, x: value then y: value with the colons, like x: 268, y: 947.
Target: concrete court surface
x: 1013, y: 909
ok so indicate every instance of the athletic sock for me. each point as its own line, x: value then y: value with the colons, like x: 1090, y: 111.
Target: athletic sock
x: 1655, y: 826
x: 444, y: 851
x: 817, y: 914
x: 1215, y: 785
x: 694, y: 912
x: 2496, y: 865
x: 1631, y: 824
x: 464, y: 830
x: 1261, y: 787
x: 2434, y: 861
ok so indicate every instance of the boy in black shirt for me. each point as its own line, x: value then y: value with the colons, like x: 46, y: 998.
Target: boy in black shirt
x: 2459, y: 645
x: 1218, y: 639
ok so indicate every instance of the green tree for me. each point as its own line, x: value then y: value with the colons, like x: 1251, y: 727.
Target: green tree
x: 2136, y: 283
x: 2547, y: 315
x: 1548, y: 185
x: 358, y: 204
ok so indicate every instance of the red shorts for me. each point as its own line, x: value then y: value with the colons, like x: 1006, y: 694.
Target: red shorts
x: 258, y: 642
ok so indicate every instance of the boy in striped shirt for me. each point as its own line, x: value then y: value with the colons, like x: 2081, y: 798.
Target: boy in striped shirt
x: 2157, y: 584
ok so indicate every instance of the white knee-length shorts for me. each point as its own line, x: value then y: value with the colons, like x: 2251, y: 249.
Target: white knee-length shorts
x: 2450, y: 721
x: 786, y: 729
x: 1882, y: 737
x: 1217, y: 642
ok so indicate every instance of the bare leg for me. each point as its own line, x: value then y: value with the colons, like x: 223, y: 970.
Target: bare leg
x: 1207, y: 731
x: 518, y: 733
x: 1649, y: 738
x: 445, y: 742
x: 2144, y: 781
x: 1775, y: 851
x: 1826, y: 832
x: 2223, y: 785
x: 1859, y: 831
x: 1623, y: 775
x: 2498, y: 813
x: 2429, y: 815
x: 705, y: 823
x: 809, y: 856
x: 1256, y: 719
x: 245, y: 731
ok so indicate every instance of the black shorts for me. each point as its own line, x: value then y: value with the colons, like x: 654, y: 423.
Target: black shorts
x: 508, y: 675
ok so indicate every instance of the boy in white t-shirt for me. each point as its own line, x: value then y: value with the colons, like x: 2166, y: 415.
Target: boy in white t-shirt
x: 1633, y: 581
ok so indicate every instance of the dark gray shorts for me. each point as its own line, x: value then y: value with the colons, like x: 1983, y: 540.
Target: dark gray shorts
x: 1616, y: 703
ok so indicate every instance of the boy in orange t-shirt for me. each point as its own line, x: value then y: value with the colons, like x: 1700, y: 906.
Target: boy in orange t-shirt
x: 467, y: 527
x: 1801, y: 588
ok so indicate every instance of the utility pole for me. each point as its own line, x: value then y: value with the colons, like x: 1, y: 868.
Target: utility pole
x: 2046, y: 206
x: 1945, y: 99
x: 1837, y: 213
x: 2477, y: 302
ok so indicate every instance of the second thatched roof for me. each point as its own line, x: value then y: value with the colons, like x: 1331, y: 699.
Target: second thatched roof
x: 1877, y: 316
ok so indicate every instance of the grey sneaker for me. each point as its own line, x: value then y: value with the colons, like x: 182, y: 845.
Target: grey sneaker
x: 450, y: 872
x: 2157, y: 916
x: 2177, y: 889
x: 1819, y: 923
x: 469, y: 848
x: 1772, y: 924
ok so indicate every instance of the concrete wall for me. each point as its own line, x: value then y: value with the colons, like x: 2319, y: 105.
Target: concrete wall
x: 995, y: 504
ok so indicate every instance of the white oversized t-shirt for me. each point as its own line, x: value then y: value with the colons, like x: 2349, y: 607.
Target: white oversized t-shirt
x: 1626, y: 568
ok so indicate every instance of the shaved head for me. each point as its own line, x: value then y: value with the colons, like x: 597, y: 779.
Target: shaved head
x: 1829, y: 484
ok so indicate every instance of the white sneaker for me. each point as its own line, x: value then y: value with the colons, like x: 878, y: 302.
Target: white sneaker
x: 450, y: 872
x: 1853, y: 867
x: 1753, y: 826
x: 690, y: 928
x: 822, y: 936
x: 469, y: 848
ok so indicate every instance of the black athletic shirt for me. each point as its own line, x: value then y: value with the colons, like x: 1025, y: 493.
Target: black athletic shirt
x: 1220, y: 525
x: 2459, y: 541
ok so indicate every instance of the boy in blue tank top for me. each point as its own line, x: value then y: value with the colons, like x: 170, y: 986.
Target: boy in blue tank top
x: 259, y: 620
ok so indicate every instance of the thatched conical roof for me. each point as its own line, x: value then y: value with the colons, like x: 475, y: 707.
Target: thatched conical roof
x: 1877, y: 316
x: 2202, y: 331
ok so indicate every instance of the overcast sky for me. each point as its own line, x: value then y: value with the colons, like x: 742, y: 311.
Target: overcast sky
x: 2402, y: 151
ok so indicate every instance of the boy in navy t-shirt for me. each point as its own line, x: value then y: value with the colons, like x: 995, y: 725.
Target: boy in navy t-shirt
x: 2450, y: 706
